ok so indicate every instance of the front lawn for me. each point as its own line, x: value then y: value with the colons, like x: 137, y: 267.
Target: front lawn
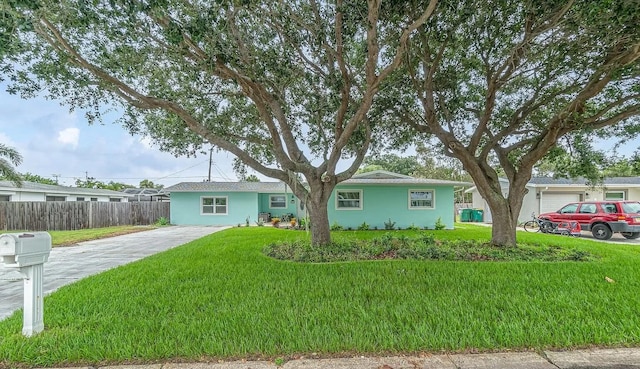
x: 66, y: 238
x: 221, y: 297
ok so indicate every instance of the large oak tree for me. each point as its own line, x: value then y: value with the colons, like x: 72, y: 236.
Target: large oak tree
x: 285, y: 86
x: 499, y: 82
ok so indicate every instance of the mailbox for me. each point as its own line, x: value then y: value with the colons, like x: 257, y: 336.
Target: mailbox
x: 24, y: 249
x: 28, y: 252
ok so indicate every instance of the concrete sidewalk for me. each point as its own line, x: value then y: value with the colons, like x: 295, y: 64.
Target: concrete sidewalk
x: 69, y: 264
x: 624, y: 358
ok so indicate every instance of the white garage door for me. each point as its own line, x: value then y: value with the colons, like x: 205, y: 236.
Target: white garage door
x: 550, y: 202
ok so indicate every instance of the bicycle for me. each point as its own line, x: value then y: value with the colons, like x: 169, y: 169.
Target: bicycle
x: 538, y: 225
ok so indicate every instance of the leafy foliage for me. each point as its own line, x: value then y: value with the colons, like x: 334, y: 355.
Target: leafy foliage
x: 285, y: 87
x: 499, y: 84
x: 145, y: 183
x: 8, y: 158
x: 29, y: 177
x: 423, y: 247
x: 91, y: 182
x: 389, y: 225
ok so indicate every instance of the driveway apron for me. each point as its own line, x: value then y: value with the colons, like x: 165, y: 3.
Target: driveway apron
x: 69, y: 264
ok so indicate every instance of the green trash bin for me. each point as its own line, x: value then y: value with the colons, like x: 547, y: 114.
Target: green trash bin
x: 477, y: 215
x: 465, y: 215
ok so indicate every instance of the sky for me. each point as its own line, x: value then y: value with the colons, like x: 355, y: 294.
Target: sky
x: 56, y: 143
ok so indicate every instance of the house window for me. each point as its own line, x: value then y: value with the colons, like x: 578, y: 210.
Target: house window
x: 56, y: 198
x: 79, y: 198
x: 113, y: 199
x: 421, y: 199
x: 94, y: 199
x: 214, y: 205
x: 5, y: 197
x: 349, y: 200
x: 278, y: 201
x: 614, y: 195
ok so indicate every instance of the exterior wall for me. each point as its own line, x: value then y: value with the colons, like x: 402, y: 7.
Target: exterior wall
x: 634, y: 194
x: 381, y: 203
x: 186, y: 208
x: 24, y: 196
x: 530, y: 204
x: 265, y: 202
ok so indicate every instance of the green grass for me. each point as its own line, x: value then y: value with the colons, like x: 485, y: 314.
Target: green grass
x: 221, y: 297
x: 66, y: 238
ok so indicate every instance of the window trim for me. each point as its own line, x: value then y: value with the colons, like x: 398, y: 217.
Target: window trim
x: 226, y: 206
x: 277, y: 207
x: 360, y: 200
x: 624, y: 195
x: 433, y: 199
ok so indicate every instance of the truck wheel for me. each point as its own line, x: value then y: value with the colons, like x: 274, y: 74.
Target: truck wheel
x: 630, y: 235
x: 601, y: 231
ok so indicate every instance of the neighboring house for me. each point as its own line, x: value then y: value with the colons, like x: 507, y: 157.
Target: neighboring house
x: 146, y: 194
x: 550, y: 194
x: 373, y: 197
x: 31, y: 191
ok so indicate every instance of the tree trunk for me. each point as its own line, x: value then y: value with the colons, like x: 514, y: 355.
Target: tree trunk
x: 503, y: 228
x: 320, y: 230
x: 504, y: 211
x: 318, y: 214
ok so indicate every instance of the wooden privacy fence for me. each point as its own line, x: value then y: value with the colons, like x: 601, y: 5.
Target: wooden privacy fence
x: 70, y: 215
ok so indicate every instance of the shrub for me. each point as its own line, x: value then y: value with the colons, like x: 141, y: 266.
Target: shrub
x: 413, y: 227
x: 162, y: 221
x: 389, y: 225
x: 440, y: 225
x: 336, y: 227
x: 363, y: 227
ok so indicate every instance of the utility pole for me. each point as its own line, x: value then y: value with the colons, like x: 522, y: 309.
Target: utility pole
x: 210, y: 163
x: 56, y: 176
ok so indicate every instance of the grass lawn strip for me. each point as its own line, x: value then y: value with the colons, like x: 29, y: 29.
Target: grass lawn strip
x: 68, y: 238
x: 221, y: 297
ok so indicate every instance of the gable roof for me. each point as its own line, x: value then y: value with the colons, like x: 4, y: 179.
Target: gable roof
x: 373, y: 177
x: 536, y: 182
x: 380, y: 174
x: 57, y: 189
x: 546, y: 181
x: 260, y: 187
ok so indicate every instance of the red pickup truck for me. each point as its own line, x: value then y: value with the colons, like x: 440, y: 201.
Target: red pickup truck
x: 602, y: 218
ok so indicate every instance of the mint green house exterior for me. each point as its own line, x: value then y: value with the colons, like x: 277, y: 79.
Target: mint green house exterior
x: 373, y: 198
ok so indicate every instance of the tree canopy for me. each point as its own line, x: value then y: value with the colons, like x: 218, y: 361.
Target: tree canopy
x: 91, y: 182
x: 498, y: 84
x: 285, y: 86
x: 8, y: 158
x: 30, y: 177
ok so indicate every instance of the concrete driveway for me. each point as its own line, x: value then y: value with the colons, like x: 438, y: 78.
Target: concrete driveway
x: 69, y: 264
x: 617, y: 238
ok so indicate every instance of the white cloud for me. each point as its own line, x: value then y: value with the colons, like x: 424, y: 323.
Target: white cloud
x: 7, y: 140
x: 69, y: 136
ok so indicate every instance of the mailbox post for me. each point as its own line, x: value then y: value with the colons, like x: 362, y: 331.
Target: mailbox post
x: 28, y: 252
